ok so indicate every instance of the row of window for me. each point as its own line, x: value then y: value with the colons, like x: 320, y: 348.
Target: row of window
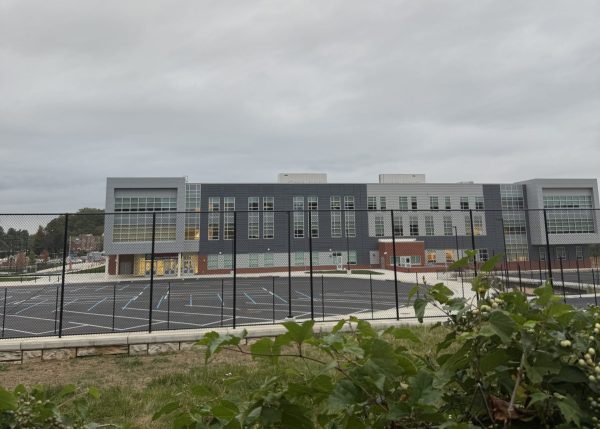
x: 299, y: 259
x: 406, y: 203
x: 567, y: 201
x: 145, y: 204
x: 571, y: 222
x: 268, y: 203
x: 560, y: 253
x: 414, y: 229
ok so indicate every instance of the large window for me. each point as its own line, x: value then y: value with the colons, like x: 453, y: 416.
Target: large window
x: 561, y: 253
x: 213, y: 226
x: 268, y: 204
x: 145, y: 204
x: 212, y: 262
x: 299, y: 259
x: 253, y: 218
x: 350, y: 223
x: 298, y: 224
x: 253, y: 260
x: 253, y: 203
x: 371, y: 203
x: 313, y: 207
x: 348, y: 202
x: 382, y: 203
x: 398, y: 230
x: 429, y: 230
x: 478, y: 224
x: 379, y: 226
x: 448, y: 225
x: 214, y: 204
x: 335, y: 203
x: 579, y: 253
x: 229, y: 204
x: 414, y: 226
x: 298, y: 203
x: 413, y: 203
x: 253, y: 226
x: 565, y: 214
x: 268, y: 260
x: 268, y: 225
x: 479, y: 205
x: 228, y: 227
x: 336, y: 224
x: 464, y: 203
x: 447, y: 203
x: 403, y: 203
x: 434, y: 203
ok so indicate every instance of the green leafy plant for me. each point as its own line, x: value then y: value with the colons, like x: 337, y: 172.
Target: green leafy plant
x: 507, y: 360
x: 37, y: 408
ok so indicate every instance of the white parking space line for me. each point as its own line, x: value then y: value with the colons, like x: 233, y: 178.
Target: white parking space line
x: 98, y: 303
x: 275, y: 295
x: 31, y: 306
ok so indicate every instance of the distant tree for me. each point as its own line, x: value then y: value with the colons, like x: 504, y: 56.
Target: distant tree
x: 38, y: 241
x: 85, y: 221
x: 44, y: 256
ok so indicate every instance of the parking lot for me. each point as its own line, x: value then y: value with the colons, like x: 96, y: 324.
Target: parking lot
x: 183, y: 304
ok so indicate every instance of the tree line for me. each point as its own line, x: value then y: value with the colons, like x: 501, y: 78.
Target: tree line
x: 49, y: 239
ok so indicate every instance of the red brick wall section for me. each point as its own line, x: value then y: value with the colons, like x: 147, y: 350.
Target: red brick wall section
x: 411, y: 248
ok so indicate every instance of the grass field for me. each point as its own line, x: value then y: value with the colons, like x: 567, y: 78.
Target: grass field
x: 133, y: 388
x: 18, y: 279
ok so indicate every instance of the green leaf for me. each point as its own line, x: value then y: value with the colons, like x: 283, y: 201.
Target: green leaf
x: 7, y: 400
x: 412, y: 292
x: 338, y: 326
x: 295, y: 416
x: 422, y: 390
x: 489, y: 265
x: 491, y: 361
x: 441, y: 293
x: 224, y: 410
x: 419, y: 306
x: 344, y: 395
x: 265, y: 348
x: 536, y: 397
x: 461, y: 263
x: 94, y: 392
x: 165, y: 409
x: 502, y: 325
x: 200, y: 391
x: 569, y: 410
x: 215, y: 341
x: 299, y: 333
x: 403, y: 334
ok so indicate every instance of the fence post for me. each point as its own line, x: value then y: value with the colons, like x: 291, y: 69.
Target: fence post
x: 234, y: 263
x: 520, y: 282
x: 548, y: 258
x: 62, y: 284
x: 323, y: 297
x: 310, y: 258
x: 114, y: 305
x: 289, y: 216
x: 578, y: 276
x: 540, y: 270
x: 473, y: 245
x: 371, y: 291
x: 4, y: 313
x: 169, y: 306
x: 562, y: 279
x: 152, y: 272
x: 594, y: 283
x: 273, y: 297
x: 56, y: 308
x: 395, y: 266
x: 222, y: 299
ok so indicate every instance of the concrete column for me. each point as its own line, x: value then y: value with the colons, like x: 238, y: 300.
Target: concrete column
x: 117, y: 265
x: 106, y: 262
x: 179, y: 265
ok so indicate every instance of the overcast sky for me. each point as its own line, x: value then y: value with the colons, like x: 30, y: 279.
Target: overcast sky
x: 223, y: 91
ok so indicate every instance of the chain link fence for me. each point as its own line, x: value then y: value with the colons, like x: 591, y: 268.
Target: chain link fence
x: 96, y: 273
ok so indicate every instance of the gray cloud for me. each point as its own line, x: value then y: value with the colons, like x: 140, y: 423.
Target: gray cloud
x: 238, y: 91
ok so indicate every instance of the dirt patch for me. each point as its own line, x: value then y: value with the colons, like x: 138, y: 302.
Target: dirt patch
x: 107, y: 371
